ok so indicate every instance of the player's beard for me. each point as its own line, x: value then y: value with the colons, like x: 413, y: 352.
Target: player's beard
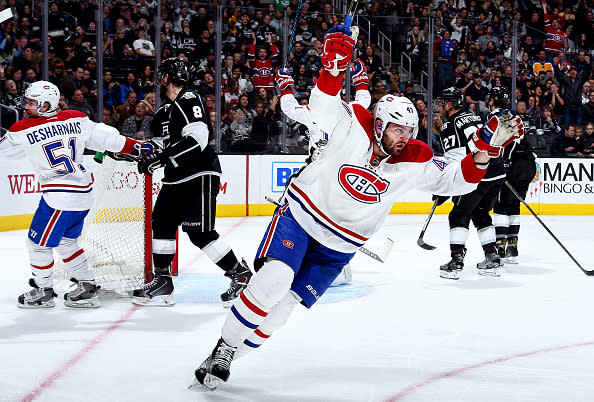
x: 394, y: 147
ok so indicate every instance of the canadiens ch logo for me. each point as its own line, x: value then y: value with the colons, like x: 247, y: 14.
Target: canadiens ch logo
x: 362, y: 184
x: 288, y: 244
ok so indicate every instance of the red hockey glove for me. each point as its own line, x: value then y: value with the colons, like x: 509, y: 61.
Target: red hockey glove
x: 338, y: 48
x: 497, y: 133
x: 359, y: 75
x: 284, y: 81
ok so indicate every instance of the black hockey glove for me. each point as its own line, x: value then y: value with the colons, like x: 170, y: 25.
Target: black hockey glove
x: 148, y: 163
x: 440, y: 198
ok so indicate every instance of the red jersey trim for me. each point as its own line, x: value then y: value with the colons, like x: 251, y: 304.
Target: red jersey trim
x: 128, y: 147
x: 329, y: 84
x: 64, y: 115
x: 416, y: 151
x: 365, y: 119
x: 471, y: 173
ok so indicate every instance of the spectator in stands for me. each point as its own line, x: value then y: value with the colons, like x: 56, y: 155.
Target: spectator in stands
x: 297, y: 54
x: 30, y: 76
x: 262, y: 62
x: 121, y: 45
x: 206, y: 86
x: 130, y: 84
x: 138, y: 125
x: 209, y: 102
x: 303, y: 81
x: 241, y: 127
x: 586, y: 142
x: 484, y: 40
x: 78, y: 102
x: 373, y: 63
x: 57, y: 72
x: 588, y: 109
x: 572, y: 84
x: 264, y: 126
x: 465, y: 81
x: 263, y: 96
x: 142, y: 46
x: 379, y: 90
x: 150, y: 102
x: 231, y: 92
x: 476, y: 95
x: 10, y: 94
x: 197, y: 51
x: 128, y: 108
x: 446, y: 52
x: 565, y: 144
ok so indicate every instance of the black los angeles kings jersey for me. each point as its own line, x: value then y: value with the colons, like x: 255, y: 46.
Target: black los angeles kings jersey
x: 188, y: 159
x: 454, y: 136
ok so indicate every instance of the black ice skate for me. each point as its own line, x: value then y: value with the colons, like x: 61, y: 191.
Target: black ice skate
x: 216, y: 368
x: 37, y: 297
x: 240, y: 276
x: 501, y: 243
x: 451, y: 269
x: 490, y: 265
x: 158, y: 292
x: 511, y: 253
x: 83, y: 296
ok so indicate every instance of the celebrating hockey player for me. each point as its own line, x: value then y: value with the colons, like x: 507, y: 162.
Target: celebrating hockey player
x: 339, y: 201
x: 54, y: 143
x: 181, y: 128
x: 457, y: 138
x: 317, y: 138
x: 520, y: 164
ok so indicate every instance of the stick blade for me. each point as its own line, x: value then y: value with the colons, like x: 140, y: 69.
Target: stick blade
x: 589, y: 273
x: 424, y: 245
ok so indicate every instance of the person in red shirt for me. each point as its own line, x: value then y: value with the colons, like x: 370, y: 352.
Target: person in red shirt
x: 556, y: 39
x: 262, y: 62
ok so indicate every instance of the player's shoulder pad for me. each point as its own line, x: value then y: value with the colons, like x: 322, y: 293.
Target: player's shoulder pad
x: 364, y: 118
x: 416, y: 151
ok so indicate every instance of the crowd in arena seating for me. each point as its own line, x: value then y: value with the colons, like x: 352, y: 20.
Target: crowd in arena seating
x: 472, y: 50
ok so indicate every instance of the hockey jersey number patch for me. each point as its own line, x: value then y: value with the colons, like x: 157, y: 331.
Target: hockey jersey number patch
x: 362, y: 184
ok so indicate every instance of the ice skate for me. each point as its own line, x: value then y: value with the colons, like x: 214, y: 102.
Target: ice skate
x: 37, y: 297
x: 158, y: 292
x: 511, y: 253
x: 83, y: 296
x: 452, y: 269
x: 345, y: 276
x: 501, y: 243
x: 216, y: 368
x: 490, y: 265
x: 240, y: 276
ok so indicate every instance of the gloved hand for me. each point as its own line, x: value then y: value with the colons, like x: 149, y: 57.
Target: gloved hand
x: 440, y: 199
x: 148, y: 163
x: 145, y: 147
x: 497, y: 133
x: 316, y: 149
x: 339, y: 43
x: 284, y: 80
x: 359, y: 75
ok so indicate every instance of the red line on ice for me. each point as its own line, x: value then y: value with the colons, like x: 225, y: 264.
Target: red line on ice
x: 452, y: 373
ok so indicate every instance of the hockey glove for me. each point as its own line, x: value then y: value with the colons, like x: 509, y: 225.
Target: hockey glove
x: 338, y: 48
x: 284, y: 81
x: 440, y: 199
x: 146, y: 147
x: 497, y: 133
x: 359, y: 75
x: 316, y: 149
x: 148, y: 163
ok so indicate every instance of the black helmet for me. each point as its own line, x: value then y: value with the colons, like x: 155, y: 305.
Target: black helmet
x: 452, y: 95
x: 500, y: 96
x: 177, y: 69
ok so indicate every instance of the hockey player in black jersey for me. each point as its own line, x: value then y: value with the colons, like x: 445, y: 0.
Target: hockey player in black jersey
x: 455, y: 136
x: 520, y: 163
x: 181, y: 129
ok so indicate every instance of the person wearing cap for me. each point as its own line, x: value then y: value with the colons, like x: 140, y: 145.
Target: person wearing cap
x: 476, y: 94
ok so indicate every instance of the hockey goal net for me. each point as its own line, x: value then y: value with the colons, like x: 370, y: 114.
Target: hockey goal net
x: 117, y: 232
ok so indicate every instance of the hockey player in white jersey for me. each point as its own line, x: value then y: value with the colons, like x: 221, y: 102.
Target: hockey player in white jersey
x: 54, y: 143
x: 317, y: 138
x: 339, y: 201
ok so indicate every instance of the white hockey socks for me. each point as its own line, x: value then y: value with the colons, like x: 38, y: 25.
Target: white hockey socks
x: 42, y: 264
x: 75, y: 259
x: 266, y: 288
x: 277, y: 317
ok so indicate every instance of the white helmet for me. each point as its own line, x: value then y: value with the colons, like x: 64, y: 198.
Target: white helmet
x: 42, y: 92
x: 394, y: 109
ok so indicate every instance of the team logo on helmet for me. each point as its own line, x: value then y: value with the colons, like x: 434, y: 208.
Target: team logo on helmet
x: 362, y: 184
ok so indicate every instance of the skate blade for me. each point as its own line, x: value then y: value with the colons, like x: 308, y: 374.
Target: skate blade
x: 449, y: 275
x: 93, y: 302
x: 511, y: 260
x: 157, y: 301
x: 489, y: 272
x: 48, y: 304
x: 228, y: 304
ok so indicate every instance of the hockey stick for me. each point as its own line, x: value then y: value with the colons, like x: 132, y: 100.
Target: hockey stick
x: 513, y: 190
x: 420, y: 240
x: 293, y: 32
x: 381, y: 257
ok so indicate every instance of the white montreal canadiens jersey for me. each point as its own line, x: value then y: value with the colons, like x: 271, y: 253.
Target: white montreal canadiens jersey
x: 54, y: 146
x: 341, y: 199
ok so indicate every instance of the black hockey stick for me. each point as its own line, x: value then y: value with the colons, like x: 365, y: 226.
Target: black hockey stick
x: 420, y: 240
x: 513, y: 190
x: 381, y: 257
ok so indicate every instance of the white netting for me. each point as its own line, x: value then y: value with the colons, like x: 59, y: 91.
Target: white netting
x: 114, y: 232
